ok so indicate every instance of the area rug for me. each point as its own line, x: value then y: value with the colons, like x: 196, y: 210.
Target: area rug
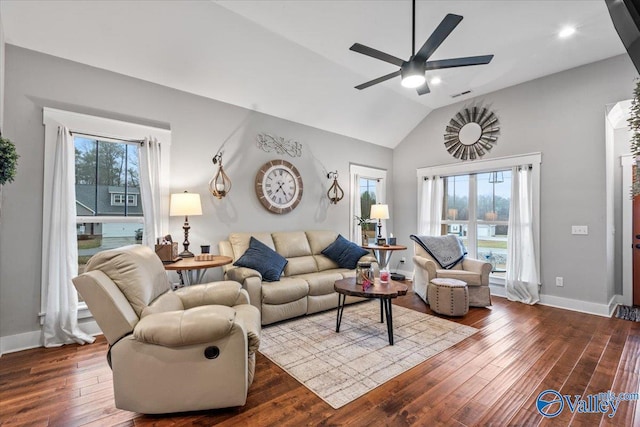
x: 340, y: 367
x: 626, y: 312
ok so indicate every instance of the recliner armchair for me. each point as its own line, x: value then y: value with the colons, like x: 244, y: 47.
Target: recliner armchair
x: 187, y: 350
x: 472, y: 271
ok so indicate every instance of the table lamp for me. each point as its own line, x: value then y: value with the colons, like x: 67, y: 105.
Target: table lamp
x: 185, y: 204
x: 379, y: 212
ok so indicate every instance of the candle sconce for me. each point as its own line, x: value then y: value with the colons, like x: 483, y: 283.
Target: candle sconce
x: 220, y: 184
x: 335, y: 193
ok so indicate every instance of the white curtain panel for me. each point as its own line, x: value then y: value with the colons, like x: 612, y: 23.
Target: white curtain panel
x: 522, y: 275
x: 430, y: 206
x: 61, y: 319
x: 149, y: 153
x: 357, y: 208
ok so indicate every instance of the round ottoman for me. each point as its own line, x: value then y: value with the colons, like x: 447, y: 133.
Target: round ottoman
x: 448, y: 296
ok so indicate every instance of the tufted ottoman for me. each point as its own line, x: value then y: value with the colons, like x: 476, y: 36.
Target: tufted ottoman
x: 448, y: 296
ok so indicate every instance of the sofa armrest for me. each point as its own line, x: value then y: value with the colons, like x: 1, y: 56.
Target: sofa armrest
x: 181, y: 328
x: 240, y: 274
x: 483, y: 268
x: 224, y: 292
x: 249, y: 317
x: 427, y: 265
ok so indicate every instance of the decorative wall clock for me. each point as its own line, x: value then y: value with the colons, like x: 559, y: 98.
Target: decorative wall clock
x: 471, y: 133
x: 279, y: 186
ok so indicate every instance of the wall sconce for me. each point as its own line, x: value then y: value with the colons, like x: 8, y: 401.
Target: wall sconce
x: 220, y: 184
x: 335, y: 193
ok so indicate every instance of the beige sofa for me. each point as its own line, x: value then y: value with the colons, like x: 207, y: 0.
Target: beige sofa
x: 188, y: 350
x: 472, y: 271
x: 307, y: 283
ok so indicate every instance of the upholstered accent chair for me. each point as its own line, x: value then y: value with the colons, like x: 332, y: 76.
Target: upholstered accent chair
x: 187, y: 350
x: 473, y: 272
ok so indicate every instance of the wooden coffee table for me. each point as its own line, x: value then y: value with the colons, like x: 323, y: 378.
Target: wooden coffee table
x: 384, y: 292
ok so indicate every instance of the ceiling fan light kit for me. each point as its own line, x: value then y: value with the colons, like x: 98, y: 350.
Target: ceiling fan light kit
x: 413, y: 71
x: 412, y: 74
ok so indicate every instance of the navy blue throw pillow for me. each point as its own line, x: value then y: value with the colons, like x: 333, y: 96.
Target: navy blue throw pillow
x: 262, y: 258
x: 345, y: 253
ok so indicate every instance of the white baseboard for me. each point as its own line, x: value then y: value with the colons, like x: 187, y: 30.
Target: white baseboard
x: 597, y: 309
x: 33, y: 339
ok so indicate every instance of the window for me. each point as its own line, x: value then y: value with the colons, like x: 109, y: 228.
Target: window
x: 481, y: 221
x: 108, y: 208
x: 368, y: 188
x: 475, y: 199
x: 107, y: 173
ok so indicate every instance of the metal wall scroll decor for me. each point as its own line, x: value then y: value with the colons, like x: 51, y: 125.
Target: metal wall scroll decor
x: 335, y: 193
x: 278, y: 144
x: 471, y: 133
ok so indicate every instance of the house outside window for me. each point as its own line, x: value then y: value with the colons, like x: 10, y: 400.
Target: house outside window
x: 368, y: 187
x: 107, y: 175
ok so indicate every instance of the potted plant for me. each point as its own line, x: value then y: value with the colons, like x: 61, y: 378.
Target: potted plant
x: 8, y: 161
x: 362, y: 223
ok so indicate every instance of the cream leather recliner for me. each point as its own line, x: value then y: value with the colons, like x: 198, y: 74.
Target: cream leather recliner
x: 473, y: 272
x: 187, y: 350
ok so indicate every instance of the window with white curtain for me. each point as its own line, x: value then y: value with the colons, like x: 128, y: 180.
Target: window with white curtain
x: 107, y: 171
x: 367, y: 187
x: 475, y: 205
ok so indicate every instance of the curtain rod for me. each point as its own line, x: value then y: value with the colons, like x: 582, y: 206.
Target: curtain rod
x: 426, y: 178
x: 132, y: 141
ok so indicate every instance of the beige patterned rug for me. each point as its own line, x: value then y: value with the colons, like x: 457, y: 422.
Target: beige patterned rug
x: 340, y: 367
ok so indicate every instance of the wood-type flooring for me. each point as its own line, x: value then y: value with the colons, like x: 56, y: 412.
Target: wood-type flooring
x: 490, y: 379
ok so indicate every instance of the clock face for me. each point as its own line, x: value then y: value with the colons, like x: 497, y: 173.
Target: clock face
x: 279, y: 186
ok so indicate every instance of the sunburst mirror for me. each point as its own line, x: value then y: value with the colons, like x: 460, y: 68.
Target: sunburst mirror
x: 471, y: 133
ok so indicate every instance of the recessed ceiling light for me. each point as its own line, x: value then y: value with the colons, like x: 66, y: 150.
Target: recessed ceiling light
x: 435, y: 81
x: 566, y: 32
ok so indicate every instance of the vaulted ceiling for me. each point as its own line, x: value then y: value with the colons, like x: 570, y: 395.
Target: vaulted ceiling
x: 291, y: 59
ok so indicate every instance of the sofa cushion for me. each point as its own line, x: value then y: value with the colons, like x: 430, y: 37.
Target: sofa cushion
x: 322, y: 283
x: 325, y: 263
x: 318, y: 240
x: 263, y: 259
x: 344, y: 252
x: 291, y: 244
x: 286, y: 290
x: 240, y: 242
x: 300, y: 265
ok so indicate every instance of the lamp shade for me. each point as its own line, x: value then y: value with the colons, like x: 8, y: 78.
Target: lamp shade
x: 185, y: 204
x: 379, y: 212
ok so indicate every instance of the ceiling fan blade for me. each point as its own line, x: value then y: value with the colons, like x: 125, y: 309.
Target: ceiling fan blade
x: 369, y: 51
x: 435, y: 40
x: 424, y: 89
x: 458, y: 62
x: 378, y: 80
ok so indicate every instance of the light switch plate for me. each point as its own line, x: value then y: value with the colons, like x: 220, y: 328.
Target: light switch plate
x: 580, y: 229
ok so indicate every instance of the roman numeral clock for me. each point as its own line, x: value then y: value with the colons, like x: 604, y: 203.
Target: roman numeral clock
x: 279, y: 186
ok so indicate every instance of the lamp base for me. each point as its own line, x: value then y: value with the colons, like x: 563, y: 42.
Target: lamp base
x: 186, y: 254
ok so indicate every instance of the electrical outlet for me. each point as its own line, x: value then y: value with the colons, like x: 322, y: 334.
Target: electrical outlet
x: 580, y: 229
x: 559, y: 281
x: 403, y: 260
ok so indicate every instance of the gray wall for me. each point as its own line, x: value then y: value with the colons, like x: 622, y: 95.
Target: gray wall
x: 562, y: 116
x: 199, y: 127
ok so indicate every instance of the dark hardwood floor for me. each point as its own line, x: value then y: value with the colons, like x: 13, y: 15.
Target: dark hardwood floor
x: 489, y: 379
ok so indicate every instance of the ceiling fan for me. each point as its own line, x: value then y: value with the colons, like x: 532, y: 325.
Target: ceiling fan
x: 413, y: 70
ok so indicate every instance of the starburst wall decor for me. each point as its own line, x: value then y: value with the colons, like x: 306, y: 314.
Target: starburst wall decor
x: 471, y: 133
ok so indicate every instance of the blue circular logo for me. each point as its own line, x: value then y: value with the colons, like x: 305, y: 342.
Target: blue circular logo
x: 549, y: 403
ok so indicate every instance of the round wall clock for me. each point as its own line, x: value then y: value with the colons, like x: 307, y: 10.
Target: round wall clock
x: 279, y: 186
x: 471, y: 133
